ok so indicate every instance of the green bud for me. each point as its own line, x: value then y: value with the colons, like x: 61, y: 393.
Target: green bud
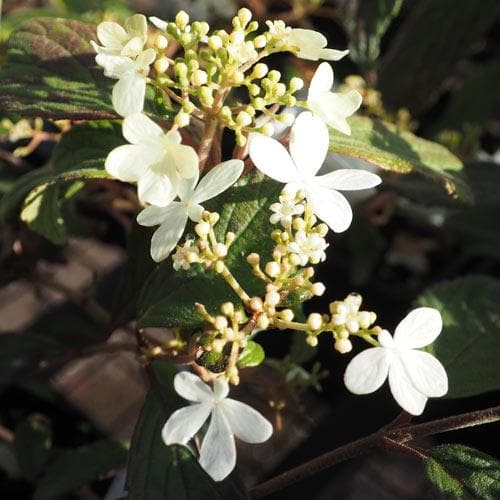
x: 259, y: 42
x: 225, y: 114
x: 279, y: 90
x: 258, y: 103
x: 180, y: 69
x: 274, y: 76
x: 260, y: 70
x: 243, y: 119
x: 188, y: 106
x: 186, y: 39
x: 253, y: 26
x: 215, y: 42
x: 193, y: 65
x: 182, y: 19
x: 253, y: 89
x: 245, y: 16
x: 206, y: 96
x: 250, y: 110
x: 296, y: 84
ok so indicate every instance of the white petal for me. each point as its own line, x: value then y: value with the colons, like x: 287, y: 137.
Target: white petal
x: 132, y: 47
x: 160, y: 24
x: 114, y: 66
x: 322, y: 81
x: 145, y: 58
x: 218, y: 180
x: 154, y: 216
x: 218, y: 451
x: 331, y: 207
x: 136, y: 25
x: 139, y: 128
x: 309, y: 142
x: 111, y: 35
x: 221, y: 389
x: 332, y: 54
x: 191, y: 387
x: 367, y: 371
x: 195, y: 212
x: 246, y: 423
x: 419, y: 328
x: 403, y: 391
x: 426, y: 372
x: 349, y: 180
x: 271, y: 158
x: 309, y: 42
x: 156, y: 188
x: 184, y: 159
x: 166, y: 237
x: 129, y: 162
x: 187, y: 187
x: 128, y: 94
x: 183, y: 424
x: 173, y: 137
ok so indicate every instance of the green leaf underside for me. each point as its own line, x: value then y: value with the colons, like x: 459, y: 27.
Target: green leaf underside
x: 168, y: 296
x: 252, y: 355
x: 402, y: 152
x: 51, y: 72
x: 72, y: 469
x: 156, y: 471
x: 463, y: 473
x: 468, y: 346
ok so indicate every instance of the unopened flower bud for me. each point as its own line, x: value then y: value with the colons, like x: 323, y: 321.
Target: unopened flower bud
x: 253, y: 259
x: 227, y: 308
x: 263, y: 321
x: 199, y: 78
x: 274, y: 75
x: 161, y: 65
x: 287, y: 315
x: 245, y: 16
x: 260, y: 41
x: 273, y: 269
x: 180, y: 69
x: 314, y: 321
x: 230, y: 335
x: 220, y: 250
x: 343, y: 345
x: 312, y: 340
x: 353, y: 302
x: 182, y: 19
x: 296, y: 84
x: 272, y: 298
x: 308, y: 272
x: 225, y: 113
x: 364, y: 318
x: 260, y: 70
x: 255, y: 304
x: 201, y: 27
x: 161, y: 42
x: 215, y: 42
x: 294, y: 259
x: 202, y: 229
x: 318, y: 289
x: 267, y: 129
x: 230, y: 237
x: 279, y: 90
x: 206, y: 96
x: 220, y: 322
x: 299, y: 224
x: 243, y: 119
x: 181, y: 119
x: 213, y: 218
x: 218, y: 344
x: 352, y: 325
x: 219, y: 267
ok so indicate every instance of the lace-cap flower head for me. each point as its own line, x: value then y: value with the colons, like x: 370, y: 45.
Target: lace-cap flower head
x: 331, y: 107
x: 414, y: 376
x: 228, y: 418
x: 156, y: 160
x: 309, y: 142
x: 173, y: 218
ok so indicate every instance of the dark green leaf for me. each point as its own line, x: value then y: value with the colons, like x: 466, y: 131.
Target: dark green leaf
x: 463, y: 473
x: 252, y: 355
x: 75, y: 468
x: 160, y: 472
x: 402, y: 152
x: 468, y: 346
x: 33, y: 444
x: 168, y: 296
x: 50, y: 72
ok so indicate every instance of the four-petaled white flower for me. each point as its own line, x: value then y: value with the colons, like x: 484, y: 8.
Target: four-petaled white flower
x: 185, y: 255
x: 228, y: 418
x: 285, y: 210
x: 118, y: 41
x: 173, y: 218
x: 129, y: 92
x: 309, y: 43
x: 309, y: 247
x: 156, y: 160
x: 333, y: 108
x: 309, y: 142
x: 414, y: 376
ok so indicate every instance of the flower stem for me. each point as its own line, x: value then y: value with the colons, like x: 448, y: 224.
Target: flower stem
x: 394, y: 439
x: 233, y: 283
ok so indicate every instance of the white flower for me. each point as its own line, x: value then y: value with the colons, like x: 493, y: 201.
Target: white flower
x: 156, y: 160
x: 241, y: 51
x: 173, y: 218
x: 333, y: 108
x: 309, y: 142
x: 130, y: 90
x: 309, y: 43
x: 119, y: 41
x: 285, y: 210
x: 228, y: 418
x: 414, y: 375
x: 309, y: 247
x: 185, y: 255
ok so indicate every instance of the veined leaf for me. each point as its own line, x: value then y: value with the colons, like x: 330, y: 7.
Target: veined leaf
x: 50, y: 72
x: 463, y: 473
x: 402, y: 152
x: 468, y: 346
x: 252, y: 355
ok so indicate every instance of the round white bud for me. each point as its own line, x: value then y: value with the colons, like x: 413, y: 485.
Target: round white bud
x: 220, y: 322
x: 318, y: 289
x: 273, y: 269
x: 260, y: 70
x: 161, y: 42
x: 314, y: 321
x: 263, y: 321
x: 267, y: 129
x: 272, y: 298
x: 182, y: 119
x: 255, y: 304
x: 343, y: 345
x: 287, y: 315
x: 312, y: 340
x: 245, y: 16
x: 199, y: 78
x: 260, y: 41
x: 220, y: 250
x: 202, y: 229
x: 243, y: 119
x: 253, y: 259
x: 182, y: 19
x: 161, y: 65
x: 296, y: 84
x: 215, y: 42
x: 227, y: 308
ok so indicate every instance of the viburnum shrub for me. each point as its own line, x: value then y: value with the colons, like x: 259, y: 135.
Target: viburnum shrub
x: 227, y: 160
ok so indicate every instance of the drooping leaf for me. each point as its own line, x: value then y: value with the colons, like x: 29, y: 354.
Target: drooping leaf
x: 252, y: 355
x: 463, y: 473
x: 166, y: 472
x: 51, y: 72
x: 468, y: 346
x: 168, y: 296
x: 74, y: 468
x: 402, y: 152
x: 366, y: 22
x: 33, y: 443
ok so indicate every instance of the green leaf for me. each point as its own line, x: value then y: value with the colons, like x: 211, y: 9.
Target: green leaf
x: 366, y: 22
x: 468, y: 346
x: 160, y: 472
x: 33, y: 445
x: 463, y: 473
x: 252, y: 355
x: 75, y: 468
x: 50, y: 72
x: 168, y: 296
x: 402, y: 152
